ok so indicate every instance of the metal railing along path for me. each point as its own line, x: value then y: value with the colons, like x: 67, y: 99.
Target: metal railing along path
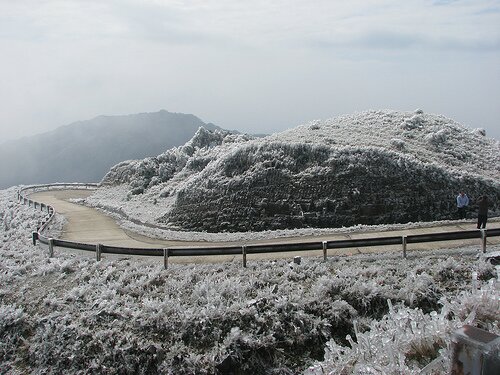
x: 242, y: 250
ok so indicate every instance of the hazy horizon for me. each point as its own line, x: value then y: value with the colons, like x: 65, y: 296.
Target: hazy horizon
x: 254, y: 67
x: 250, y: 131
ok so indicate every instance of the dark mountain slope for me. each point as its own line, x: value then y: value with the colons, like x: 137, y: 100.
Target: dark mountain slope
x: 85, y: 150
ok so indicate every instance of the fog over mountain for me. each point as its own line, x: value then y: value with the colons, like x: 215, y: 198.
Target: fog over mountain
x: 375, y: 167
x: 85, y: 150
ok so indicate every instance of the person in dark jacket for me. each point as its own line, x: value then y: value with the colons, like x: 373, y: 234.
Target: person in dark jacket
x: 482, y: 213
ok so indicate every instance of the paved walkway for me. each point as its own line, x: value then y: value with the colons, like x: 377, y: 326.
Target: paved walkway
x: 85, y: 224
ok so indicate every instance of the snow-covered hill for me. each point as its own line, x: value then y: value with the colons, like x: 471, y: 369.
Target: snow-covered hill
x: 373, y: 167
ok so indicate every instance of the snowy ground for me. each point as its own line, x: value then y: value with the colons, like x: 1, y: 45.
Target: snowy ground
x: 70, y: 314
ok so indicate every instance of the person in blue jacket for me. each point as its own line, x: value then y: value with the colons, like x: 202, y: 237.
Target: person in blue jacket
x: 462, y: 203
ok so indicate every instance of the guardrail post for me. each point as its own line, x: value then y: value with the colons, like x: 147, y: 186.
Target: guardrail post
x: 244, y: 253
x: 483, y: 240
x: 165, y: 257
x: 404, y: 240
x: 34, y: 236
x: 324, y: 250
x: 98, y: 251
x: 51, y: 247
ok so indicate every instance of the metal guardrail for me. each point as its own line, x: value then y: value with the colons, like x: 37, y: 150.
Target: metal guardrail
x: 243, y: 250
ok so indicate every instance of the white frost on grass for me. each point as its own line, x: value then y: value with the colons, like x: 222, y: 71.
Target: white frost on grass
x: 378, y: 350
x: 70, y: 314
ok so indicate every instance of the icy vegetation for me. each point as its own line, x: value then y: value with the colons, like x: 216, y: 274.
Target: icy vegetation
x: 373, y: 168
x: 72, y: 315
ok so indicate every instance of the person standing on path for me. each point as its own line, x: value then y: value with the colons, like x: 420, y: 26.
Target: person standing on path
x: 482, y: 213
x: 462, y: 203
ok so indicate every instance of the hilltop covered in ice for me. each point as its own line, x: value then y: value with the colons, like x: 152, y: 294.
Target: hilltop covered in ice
x: 375, y: 167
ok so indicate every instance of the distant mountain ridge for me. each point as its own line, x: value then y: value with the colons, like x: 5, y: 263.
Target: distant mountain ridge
x: 84, y: 151
x: 374, y: 167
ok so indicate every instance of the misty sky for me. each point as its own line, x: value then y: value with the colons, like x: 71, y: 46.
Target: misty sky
x: 256, y: 66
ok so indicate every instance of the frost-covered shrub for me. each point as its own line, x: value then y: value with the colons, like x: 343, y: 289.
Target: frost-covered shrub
x: 479, y: 131
x: 437, y: 138
x: 75, y: 315
x: 406, y: 340
x: 315, y: 125
x: 180, y: 162
x: 198, y: 164
x: 414, y: 122
x: 13, y: 327
x: 398, y: 143
x: 292, y: 158
x: 206, y: 139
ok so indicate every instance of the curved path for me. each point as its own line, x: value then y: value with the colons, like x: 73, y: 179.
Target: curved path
x: 88, y: 225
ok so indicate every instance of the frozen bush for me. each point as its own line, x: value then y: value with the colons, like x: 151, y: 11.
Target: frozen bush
x: 437, y: 138
x: 131, y: 316
x: 315, y: 125
x: 406, y: 340
x: 480, y: 131
x: 14, y: 326
x: 398, y: 143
